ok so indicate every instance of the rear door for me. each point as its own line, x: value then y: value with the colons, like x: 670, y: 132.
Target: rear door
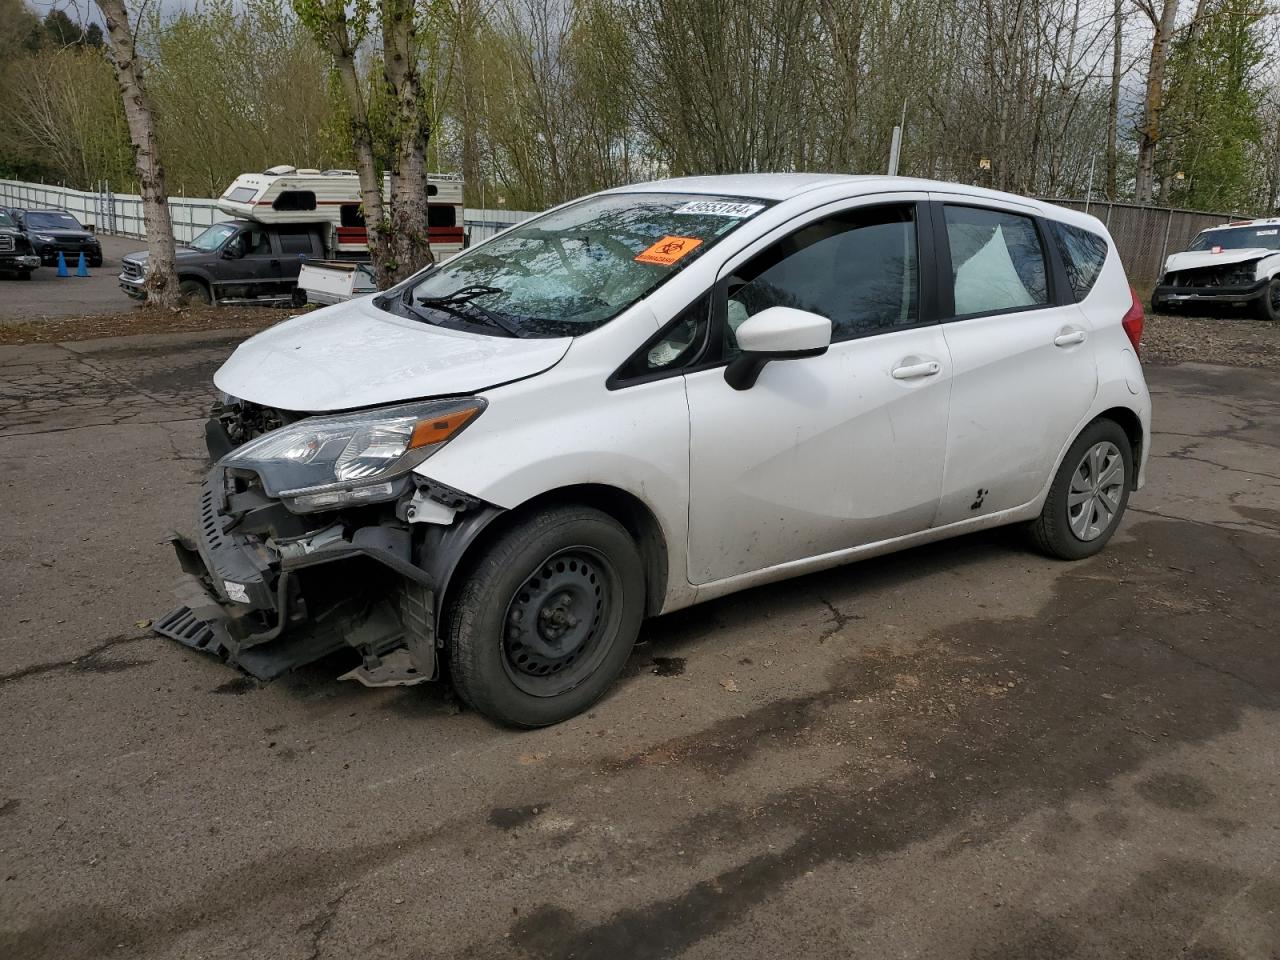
x: 823, y: 453
x: 1023, y: 354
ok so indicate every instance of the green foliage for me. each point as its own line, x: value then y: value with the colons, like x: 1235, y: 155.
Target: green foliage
x: 1213, y: 118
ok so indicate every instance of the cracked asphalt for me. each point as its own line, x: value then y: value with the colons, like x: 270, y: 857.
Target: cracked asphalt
x: 964, y: 750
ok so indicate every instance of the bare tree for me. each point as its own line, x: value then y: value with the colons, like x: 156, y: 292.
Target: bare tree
x: 162, y: 282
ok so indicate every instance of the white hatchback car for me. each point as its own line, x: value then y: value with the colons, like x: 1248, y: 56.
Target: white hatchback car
x: 651, y: 397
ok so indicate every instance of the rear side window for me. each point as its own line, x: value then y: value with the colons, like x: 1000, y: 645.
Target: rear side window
x: 997, y: 263
x: 295, y: 243
x: 1083, y: 254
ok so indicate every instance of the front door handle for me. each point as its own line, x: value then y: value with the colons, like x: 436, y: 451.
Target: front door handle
x: 1069, y: 338
x: 913, y: 371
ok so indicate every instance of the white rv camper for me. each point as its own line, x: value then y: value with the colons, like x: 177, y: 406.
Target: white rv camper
x: 288, y: 195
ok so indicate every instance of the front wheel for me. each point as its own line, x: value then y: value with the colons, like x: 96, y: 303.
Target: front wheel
x: 1267, y: 306
x: 1089, y: 494
x: 544, y: 622
x: 194, y: 293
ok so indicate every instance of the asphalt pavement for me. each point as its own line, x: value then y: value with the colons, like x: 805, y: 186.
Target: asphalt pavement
x: 48, y: 295
x: 963, y: 750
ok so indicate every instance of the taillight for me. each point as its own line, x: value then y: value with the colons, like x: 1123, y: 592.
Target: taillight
x: 1132, y: 323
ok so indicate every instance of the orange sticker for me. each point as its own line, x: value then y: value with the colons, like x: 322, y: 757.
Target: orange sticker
x: 668, y: 250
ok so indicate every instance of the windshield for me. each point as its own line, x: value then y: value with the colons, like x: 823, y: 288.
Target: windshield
x: 214, y: 237
x: 6, y: 220
x: 44, y: 220
x: 1238, y: 238
x: 567, y: 272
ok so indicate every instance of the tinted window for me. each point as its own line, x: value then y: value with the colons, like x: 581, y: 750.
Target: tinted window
x: 996, y: 261
x: 442, y: 215
x: 858, y: 269
x: 47, y: 220
x: 295, y: 200
x: 295, y: 243
x: 256, y: 242
x: 1083, y: 254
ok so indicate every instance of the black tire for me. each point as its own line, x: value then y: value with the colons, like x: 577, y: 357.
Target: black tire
x: 1267, y: 306
x: 1158, y: 307
x: 194, y: 293
x: 95, y: 262
x: 1055, y: 531
x: 24, y: 274
x: 518, y: 652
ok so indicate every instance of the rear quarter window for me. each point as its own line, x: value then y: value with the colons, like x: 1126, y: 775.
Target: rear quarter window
x: 1083, y: 254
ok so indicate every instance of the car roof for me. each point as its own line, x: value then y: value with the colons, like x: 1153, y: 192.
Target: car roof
x: 784, y: 186
x: 1241, y: 224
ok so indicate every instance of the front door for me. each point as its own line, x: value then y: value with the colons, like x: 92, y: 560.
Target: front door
x: 255, y: 272
x: 829, y: 452
x: 1023, y: 352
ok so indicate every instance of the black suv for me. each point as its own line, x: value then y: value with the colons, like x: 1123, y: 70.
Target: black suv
x: 51, y: 232
x: 236, y: 262
x: 15, y: 251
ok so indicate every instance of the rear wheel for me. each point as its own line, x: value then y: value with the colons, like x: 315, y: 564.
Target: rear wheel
x: 544, y: 622
x: 1267, y: 306
x: 194, y: 293
x: 24, y: 274
x: 1089, y: 494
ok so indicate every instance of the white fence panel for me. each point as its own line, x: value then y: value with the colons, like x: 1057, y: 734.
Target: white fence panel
x: 121, y: 213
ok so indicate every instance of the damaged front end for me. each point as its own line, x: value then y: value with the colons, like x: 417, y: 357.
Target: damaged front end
x: 285, y: 570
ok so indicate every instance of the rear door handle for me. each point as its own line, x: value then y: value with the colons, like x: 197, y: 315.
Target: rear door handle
x: 1069, y: 338
x: 913, y: 371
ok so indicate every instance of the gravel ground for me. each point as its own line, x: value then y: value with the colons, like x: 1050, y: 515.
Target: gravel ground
x: 142, y: 320
x: 1229, y: 341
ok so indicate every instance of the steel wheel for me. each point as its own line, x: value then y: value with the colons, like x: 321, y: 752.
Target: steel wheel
x: 1097, y: 486
x: 555, y: 622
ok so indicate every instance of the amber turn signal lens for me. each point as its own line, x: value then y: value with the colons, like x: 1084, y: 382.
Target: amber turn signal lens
x: 440, y: 429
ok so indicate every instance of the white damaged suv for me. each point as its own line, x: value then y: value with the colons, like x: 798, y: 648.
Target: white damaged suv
x: 1233, y: 265
x: 647, y: 398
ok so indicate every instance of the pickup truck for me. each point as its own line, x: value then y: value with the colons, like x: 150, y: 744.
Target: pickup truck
x: 237, y: 262
x: 16, y: 255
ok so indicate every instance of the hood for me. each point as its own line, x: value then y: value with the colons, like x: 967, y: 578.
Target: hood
x: 355, y: 355
x: 179, y: 253
x: 1192, y: 259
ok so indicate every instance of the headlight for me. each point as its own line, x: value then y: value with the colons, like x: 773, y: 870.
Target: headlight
x: 44, y: 238
x: 327, y: 461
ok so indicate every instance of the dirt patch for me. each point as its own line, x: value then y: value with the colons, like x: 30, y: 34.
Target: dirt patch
x: 1235, y: 341
x: 143, y: 320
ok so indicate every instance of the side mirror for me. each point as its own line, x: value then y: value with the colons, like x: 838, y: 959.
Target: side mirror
x: 776, y: 333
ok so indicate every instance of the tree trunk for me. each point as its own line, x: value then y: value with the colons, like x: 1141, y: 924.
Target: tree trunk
x: 162, y: 281
x: 407, y: 239
x: 1113, y: 101
x: 1144, y: 189
x: 338, y: 41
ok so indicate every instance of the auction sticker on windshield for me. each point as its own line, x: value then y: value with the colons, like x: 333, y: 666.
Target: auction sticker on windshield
x: 668, y: 250
x: 720, y: 208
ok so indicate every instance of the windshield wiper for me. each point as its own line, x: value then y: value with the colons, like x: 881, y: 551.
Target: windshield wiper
x: 465, y: 297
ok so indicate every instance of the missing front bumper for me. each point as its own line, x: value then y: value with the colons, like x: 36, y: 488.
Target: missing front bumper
x: 269, y: 612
